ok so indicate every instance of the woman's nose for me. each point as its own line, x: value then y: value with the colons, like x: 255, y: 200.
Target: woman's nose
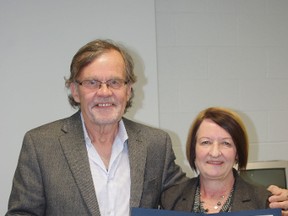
x: 215, y: 150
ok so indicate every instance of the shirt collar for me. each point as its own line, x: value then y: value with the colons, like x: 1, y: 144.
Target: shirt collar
x: 122, y: 135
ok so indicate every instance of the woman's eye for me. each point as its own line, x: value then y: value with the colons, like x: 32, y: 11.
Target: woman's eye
x: 205, y: 142
x: 226, y: 144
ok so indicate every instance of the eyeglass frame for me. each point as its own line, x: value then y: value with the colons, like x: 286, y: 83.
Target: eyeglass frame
x: 98, y: 83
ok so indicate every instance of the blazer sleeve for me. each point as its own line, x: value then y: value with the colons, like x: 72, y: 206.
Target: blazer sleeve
x: 27, y: 195
x: 53, y: 175
x: 151, y: 149
x: 172, y: 174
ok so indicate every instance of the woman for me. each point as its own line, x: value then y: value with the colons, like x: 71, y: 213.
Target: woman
x: 217, y: 141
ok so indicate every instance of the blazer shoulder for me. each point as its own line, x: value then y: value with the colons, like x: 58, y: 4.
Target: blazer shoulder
x: 258, y: 190
x: 249, y: 196
x: 179, y: 196
x: 57, y: 125
x: 136, y: 127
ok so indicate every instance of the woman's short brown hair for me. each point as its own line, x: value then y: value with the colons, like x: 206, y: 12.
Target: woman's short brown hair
x: 230, y: 122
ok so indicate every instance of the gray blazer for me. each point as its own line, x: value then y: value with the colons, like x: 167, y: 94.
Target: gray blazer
x: 53, y: 175
x: 246, y: 196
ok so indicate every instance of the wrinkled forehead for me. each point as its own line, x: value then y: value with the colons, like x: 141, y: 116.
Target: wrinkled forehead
x: 107, y: 65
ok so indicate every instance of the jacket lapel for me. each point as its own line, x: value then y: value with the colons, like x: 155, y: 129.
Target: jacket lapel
x: 73, y: 145
x: 242, y: 197
x: 188, y: 197
x: 137, y: 158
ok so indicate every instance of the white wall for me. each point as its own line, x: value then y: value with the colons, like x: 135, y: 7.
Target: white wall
x: 231, y: 53
x: 211, y: 52
x: 38, y: 41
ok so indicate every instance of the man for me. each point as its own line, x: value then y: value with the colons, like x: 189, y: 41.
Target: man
x: 95, y: 162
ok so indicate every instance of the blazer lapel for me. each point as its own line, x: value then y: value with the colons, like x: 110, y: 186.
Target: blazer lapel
x: 74, y: 149
x: 241, y: 198
x: 189, y: 195
x: 137, y: 158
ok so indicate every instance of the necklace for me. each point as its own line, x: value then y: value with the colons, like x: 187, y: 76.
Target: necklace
x: 215, y: 207
x: 219, y: 203
x: 198, y: 204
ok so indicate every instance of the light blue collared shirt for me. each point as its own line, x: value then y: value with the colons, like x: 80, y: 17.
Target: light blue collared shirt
x: 112, y: 186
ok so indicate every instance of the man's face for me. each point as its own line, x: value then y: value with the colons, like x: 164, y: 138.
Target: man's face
x: 104, y: 105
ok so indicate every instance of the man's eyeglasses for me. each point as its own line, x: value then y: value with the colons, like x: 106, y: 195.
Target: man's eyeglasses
x: 96, y: 84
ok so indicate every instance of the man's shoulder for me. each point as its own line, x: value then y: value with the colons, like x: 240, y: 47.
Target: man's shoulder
x: 56, y: 124
x: 138, y: 126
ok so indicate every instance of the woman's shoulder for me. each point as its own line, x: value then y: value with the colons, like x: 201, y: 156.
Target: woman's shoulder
x: 252, y: 188
x: 190, y: 183
x: 178, y: 194
x: 248, y: 196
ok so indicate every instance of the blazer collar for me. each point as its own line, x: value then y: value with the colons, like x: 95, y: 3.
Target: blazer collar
x: 137, y: 157
x: 240, y: 200
x: 73, y: 145
x: 74, y: 149
x: 241, y: 194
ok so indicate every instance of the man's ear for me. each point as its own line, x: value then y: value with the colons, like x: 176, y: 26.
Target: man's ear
x: 75, y: 92
x: 129, y: 91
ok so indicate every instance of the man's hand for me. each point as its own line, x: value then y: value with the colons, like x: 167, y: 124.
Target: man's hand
x: 279, y: 199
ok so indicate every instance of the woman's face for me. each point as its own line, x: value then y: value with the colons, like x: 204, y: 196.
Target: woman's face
x: 215, y: 151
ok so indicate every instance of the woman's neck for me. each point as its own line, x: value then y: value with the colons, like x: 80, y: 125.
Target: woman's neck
x: 214, y: 194
x: 216, y: 187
